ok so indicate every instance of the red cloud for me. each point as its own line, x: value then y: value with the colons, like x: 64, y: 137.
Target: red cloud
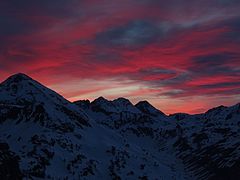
x: 165, y: 53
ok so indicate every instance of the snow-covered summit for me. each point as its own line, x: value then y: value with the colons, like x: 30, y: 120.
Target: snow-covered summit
x: 149, y: 109
x: 22, y: 91
x: 116, y: 106
x: 21, y: 88
x: 123, y: 104
x: 18, y: 77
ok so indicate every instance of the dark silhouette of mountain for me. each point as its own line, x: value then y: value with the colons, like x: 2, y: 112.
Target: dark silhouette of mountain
x: 43, y: 135
x: 149, y: 109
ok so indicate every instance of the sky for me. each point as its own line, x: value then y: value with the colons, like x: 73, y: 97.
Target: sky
x: 180, y: 55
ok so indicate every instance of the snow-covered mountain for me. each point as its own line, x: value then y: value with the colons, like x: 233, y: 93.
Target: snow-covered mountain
x: 19, y: 93
x: 44, y: 136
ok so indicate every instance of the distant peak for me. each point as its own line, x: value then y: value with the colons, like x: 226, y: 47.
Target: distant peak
x: 147, y: 108
x: 219, y: 108
x: 144, y: 103
x: 122, y: 100
x: 82, y: 101
x: 100, y: 100
x: 16, y: 78
x: 19, y: 77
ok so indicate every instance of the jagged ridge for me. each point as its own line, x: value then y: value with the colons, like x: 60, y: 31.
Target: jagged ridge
x: 42, y: 135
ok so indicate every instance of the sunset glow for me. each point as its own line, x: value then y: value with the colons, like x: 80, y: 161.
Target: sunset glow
x: 181, y: 56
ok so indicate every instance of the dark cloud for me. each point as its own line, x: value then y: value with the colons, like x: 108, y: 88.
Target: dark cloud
x: 12, y: 26
x: 181, y: 4
x: 28, y: 16
x: 228, y: 2
x: 180, y: 78
x: 57, y: 8
x: 133, y: 34
x: 221, y: 85
x: 215, y: 64
x: 210, y: 60
x: 202, y: 67
x: 151, y: 75
x: 234, y: 23
x: 233, y: 35
x: 156, y: 71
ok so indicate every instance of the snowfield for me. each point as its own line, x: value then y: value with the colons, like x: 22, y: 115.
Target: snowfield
x: 44, y: 136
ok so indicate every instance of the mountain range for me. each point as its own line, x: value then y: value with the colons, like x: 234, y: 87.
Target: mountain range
x: 45, y: 136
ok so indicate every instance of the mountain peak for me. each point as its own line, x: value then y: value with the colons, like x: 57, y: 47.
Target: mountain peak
x: 21, y: 87
x: 147, y: 108
x: 100, y: 100
x: 143, y: 103
x: 122, y: 100
x: 216, y: 109
x: 22, y: 90
x: 16, y: 79
x: 19, y: 77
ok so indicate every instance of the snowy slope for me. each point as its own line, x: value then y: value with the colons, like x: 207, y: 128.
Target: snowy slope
x: 44, y: 136
x: 207, y: 144
x: 210, y: 143
x: 50, y: 137
x: 21, y: 93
